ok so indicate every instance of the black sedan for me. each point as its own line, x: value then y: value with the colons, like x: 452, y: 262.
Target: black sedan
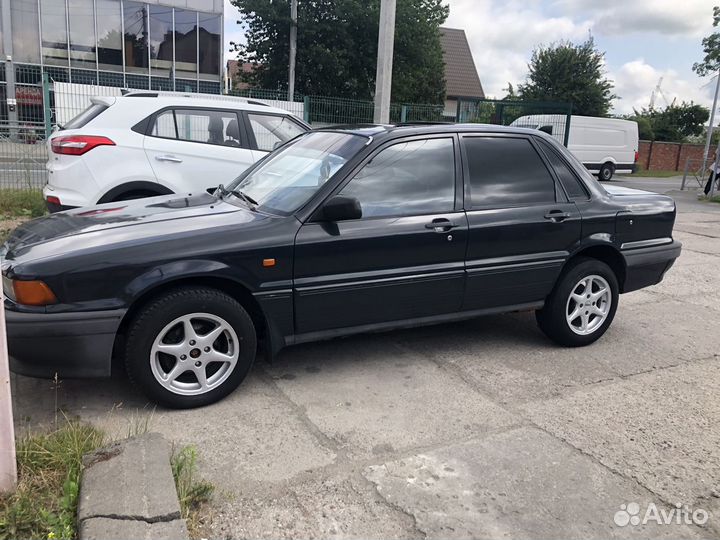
x: 340, y: 231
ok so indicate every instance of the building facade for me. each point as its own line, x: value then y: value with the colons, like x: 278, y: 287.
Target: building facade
x: 151, y: 44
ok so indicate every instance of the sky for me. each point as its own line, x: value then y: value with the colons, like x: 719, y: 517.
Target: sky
x: 643, y: 40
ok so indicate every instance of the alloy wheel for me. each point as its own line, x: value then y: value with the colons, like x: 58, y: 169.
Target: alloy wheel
x: 588, y: 305
x: 194, y: 354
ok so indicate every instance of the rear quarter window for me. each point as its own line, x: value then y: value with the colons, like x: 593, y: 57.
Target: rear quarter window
x: 92, y: 112
x: 572, y: 184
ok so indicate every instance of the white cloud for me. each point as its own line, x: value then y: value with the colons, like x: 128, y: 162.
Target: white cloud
x: 622, y: 17
x: 636, y: 80
x: 503, y: 34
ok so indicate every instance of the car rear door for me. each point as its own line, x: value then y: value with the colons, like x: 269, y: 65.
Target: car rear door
x: 403, y: 259
x: 195, y: 149
x: 522, y: 225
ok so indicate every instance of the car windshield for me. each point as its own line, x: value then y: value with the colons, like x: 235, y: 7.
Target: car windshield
x: 286, y: 179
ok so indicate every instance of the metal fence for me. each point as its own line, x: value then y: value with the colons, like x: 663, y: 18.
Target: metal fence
x: 23, y: 154
x: 41, y: 102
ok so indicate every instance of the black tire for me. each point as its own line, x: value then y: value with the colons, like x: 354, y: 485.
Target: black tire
x: 606, y: 172
x: 153, y: 319
x: 552, y: 318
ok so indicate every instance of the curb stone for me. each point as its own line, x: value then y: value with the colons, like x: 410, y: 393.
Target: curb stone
x: 128, y: 492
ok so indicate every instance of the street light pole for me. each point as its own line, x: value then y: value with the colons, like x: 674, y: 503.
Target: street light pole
x: 383, y: 76
x: 710, y: 127
x: 8, y: 466
x: 293, y: 49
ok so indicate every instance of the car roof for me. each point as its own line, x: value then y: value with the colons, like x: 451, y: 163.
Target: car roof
x: 408, y: 129
x: 158, y: 100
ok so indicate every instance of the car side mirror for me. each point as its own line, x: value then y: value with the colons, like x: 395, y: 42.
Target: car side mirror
x: 340, y: 208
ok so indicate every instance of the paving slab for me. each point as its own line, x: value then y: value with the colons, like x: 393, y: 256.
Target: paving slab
x: 660, y: 428
x: 698, y: 243
x: 345, y: 506
x: 372, y: 397
x: 522, y: 483
x: 129, y: 480
x: 511, y: 359
x: 122, y: 529
x: 252, y: 437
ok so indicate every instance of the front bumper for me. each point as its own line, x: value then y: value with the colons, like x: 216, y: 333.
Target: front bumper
x: 647, y: 266
x: 67, y: 344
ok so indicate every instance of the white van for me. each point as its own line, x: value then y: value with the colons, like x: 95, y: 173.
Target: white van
x: 604, y: 145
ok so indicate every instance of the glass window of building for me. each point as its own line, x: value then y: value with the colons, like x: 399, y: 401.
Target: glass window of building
x: 186, y: 43
x: 54, y: 32
x: 82, y: 33
x: 161, y: 39
x: 209, y: 36
x: 109, y: 34
x: 25, y: 31
x: 136, y: 36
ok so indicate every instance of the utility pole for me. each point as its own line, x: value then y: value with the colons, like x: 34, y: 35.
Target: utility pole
x: 293, y: 49
x: 8, y: 465
x: 383, y: 76
x: 710, y: 127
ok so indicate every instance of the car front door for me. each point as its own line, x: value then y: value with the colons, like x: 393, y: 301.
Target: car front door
x: 522, y: 225
x: 192, y: 150
x: 403, y: 259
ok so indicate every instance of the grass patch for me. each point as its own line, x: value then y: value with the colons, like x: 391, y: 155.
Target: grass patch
x: 21, y: 203
x: 715, y: 199
x: 17, y: 206
x: 192, y: 491
x: 49, y: 466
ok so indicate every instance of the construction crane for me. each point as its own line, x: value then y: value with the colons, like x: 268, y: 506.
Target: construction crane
x: 658, y: 91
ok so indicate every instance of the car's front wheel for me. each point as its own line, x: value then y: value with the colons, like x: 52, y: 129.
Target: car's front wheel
x: 582, y: 306
x: 190, y: 347
x: 606, y: 172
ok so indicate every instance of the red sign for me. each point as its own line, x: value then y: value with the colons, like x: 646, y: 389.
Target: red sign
x: 28, y: 95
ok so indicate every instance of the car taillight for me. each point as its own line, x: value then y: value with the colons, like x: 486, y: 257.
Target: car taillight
x: 637, y: 156
x: 77, y: 145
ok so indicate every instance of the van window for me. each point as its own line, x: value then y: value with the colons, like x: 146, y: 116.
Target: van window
x: 572, y: 184
x: 92, y: 112
x: 506, y: 172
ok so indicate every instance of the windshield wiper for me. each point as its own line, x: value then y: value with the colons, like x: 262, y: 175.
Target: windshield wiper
x: 252, y: 203
x: 247, y: 199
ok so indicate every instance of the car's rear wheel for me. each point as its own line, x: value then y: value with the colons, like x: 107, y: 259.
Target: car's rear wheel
x: 190, y: 347
x: 582, y: 306
x: 607, y: 171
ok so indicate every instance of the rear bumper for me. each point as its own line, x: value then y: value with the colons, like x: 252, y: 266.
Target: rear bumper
x: 647, y: 266
x: 52, y: 207
x: 67, y: 344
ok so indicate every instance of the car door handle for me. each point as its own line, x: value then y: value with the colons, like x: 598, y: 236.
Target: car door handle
x: 168, y: 157
x: 441, y: 225
x: 556, y: 216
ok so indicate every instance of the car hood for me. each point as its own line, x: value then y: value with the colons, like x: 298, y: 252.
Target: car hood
x: 108, y: 218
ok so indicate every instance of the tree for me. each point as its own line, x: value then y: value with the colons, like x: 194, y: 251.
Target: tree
x: 676, y: 123
x: 569, y: 73
x: 337, y: 47
x: 711, y: 48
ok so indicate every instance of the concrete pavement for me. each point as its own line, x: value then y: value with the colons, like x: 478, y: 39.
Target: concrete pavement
x: 475, y: 429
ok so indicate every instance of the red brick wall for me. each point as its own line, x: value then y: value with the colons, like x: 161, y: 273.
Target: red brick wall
x: 667, y: 156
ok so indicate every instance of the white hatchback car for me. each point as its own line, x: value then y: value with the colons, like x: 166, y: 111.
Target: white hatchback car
x: 144, y: 145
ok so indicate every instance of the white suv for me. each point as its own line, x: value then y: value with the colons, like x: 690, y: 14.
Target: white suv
x: 143, y: 145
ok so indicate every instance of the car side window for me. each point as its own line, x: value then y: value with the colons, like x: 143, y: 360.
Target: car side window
x: 506, y: 172
x: 572, y: 184
x: 271, y: 130
x: 203, y: 126
x: 165, y: 125
x: 406, y: 179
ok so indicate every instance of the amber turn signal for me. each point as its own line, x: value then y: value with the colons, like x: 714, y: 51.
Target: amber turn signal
x: 267, y: 263
x: 33, y: 293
